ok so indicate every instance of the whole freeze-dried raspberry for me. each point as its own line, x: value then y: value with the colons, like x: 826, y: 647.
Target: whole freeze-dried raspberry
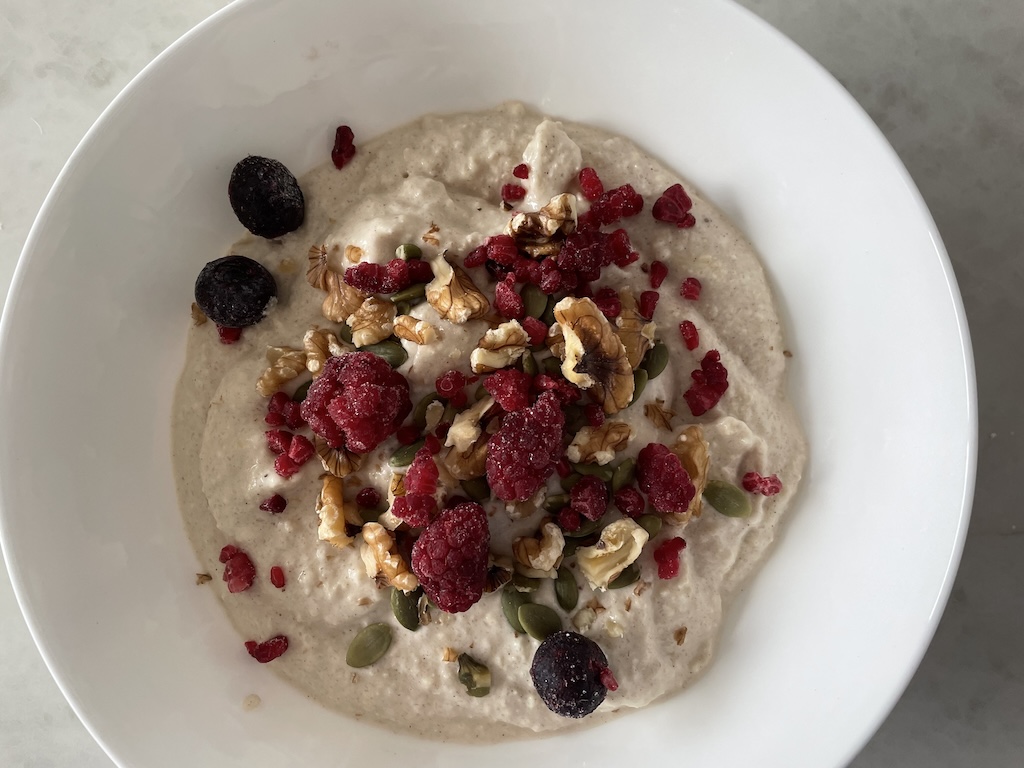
x: 648, y: 303
x: 666, y: 555
x: 657, y: 273
x: 450, y: 557
x: 523, y: 452
x: 368, y: 498
x: 370, y: 277
x: 535, y: 329
x: 510, y: 388
x: 357, y: 401
x: 344, y: 146
x: 709, y: 384
x: 512, y: 192
x: 268, y: 650
x: 607, y: 300
x: 275, y: 504
x: 690, y: 289
x: 661, y: 476
x: 754, y: 482
x: 277, y: 576
x: 509, y: 303
x: 629, y: 502
x: 239, y: 572
x: 589, y: 497
x: 521, y: 171
x: 590, y: 184
x: 691, y: 338
x: 674, y: 207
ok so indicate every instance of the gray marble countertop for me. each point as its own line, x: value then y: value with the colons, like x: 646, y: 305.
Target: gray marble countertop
x: 944, y: 79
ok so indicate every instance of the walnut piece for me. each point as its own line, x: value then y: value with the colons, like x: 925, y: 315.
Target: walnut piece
x: 430, y: 236
x: 555, y: 341
x: 499, y: 348
x: 595, y: 358
x: 539, y: 557
x: 285, y: 364
x: 341, y: 300
x: 320, y: 345
x: 695, y: 456
x: 338, y: 461
x: 353, y: 254
x: 316, y: 272
x: 383, y: 562
x: 619, y: 546
x: 198, y: 316
x: 453, y: 294
x: 555, y: 220
x: 373, y: 321
x: 334, y: 514
x: 465, y: 429
x: 635, y: 331
x: 659, y: 415
x: 679, y: 635
x: 449, y: 654
x: 598, y: 445
x: 415, y: 330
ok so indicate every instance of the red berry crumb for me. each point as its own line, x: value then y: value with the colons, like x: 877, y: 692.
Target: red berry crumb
x: 509, y: 303
x: 408, y: 434
x: 477, y: 257
x: 613, y: 205
x: 674, y: 207
x: 275, y: 504
x: 590, y: 184
x: 502, y: 249
x: 569, y: 519
x: 344, y: 146
x: 450, y: 385
x: 608, y: 679
x: 661, y: 476
x: 267, y: 650
x: 228, y: 551
x: 709, y: 384
x: 370, y: 277
x: 420, y: 271
x: 690, y: 336
x: 301, y: 450
x: 450, y: 557
x: 648, y: 303
x: 607, y: 300
x: 757, y: 483
x: 239, y: 572
x: 418, y: 505
x: 286, y: 466
x: 512, y: 192
x: 594, y: 414
x: 666, y: 555
x: 565, y: 392
x: 228, y: 335
x: 368, y: 498
x: 278, y: 440
x: 521, y: 171
x: 658, y: 274
x: 629, y: 502
x: 510, y: 388
x: 522, y: 454
x: 535, y: 329
x: 690, y: 289
x: 589, y: 498
x: 277, y: 576
x: 433, y: 442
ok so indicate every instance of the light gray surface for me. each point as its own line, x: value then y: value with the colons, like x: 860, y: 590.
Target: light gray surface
x: 944, y: 79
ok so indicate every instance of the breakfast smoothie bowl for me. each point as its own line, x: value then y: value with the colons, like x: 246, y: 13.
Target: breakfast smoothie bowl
x: 482, y: 425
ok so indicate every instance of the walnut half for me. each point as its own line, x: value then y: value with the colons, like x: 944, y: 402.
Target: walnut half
x: 619, y: 546
x: 539, y: 557
x: 373, y: 321
x: 285, y: 364
x: 595, y: 358
x: 453, y: 294
x: 499, y: 348
x: 383, y: 563
x: 333, y: 513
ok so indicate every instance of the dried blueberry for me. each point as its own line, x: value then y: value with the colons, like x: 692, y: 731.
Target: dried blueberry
x: 234, y: 291
x: 571, y: 675
x: 266, y: 197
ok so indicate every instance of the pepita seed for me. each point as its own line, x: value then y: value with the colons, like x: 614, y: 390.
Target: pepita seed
x: 604, y: 474
x: 627, y: 577
x: 535, y: 300
x: 414, y: 291
x: 511, y: 600
x: 555, y: 502
x: 552, y: 366
x: 727, y: 499
x: 623, y: 475
x: 392, y: 351
x: 406, y: 607
x: 403, y: 456
x: 650, y: 523
x: 372, y: 515
x: 345, y: 333
x: 477, y: 488
x: 300, y: 394
x: 369, y: 645
x: 408, y: 251
x: 419, y: 415
x: 548, y: 316
x: 586, y: 528
x: 640, y: 378
x: 538, y: 620
x: 567, y: 591
x: 570, y: 480
x: 474, y: 675
x: 403, y: 308
x: 656, y: 360
x: 530, y: 366
x: 571, y: 545
x: 525, y: 583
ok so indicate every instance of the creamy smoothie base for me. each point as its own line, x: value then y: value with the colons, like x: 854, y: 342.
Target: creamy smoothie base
x: 436, y: 183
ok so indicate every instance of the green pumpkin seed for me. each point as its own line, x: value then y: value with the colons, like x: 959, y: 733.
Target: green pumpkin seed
x: 571, y: 545
x: 403, y: 456
x: 403, y: 308
x: 477, y: 488
x: 511, y: 600
x: 392, y: 351
x: 640, y: 378
x: 567, y: 591
x: 413, y: 292
x: 525, y: 583
x: 727, y: 499
x: 604, y: 474
x: 570, y: 480
x: 300, y: 394
x: 406, y: 607
x: 474, y: 675
x: 586, y: 528
x: 552, y: 366
x: 369, y: 645
x: 535, y: 300
x: 656, y: 360
x: 538, y: 620
x: 419, y: 414
x: 623, y: 475
x: 372, y: 515
x: 530, y: 366
x: 408, y: 251
x: 548, y: 316
x: 627, y: 577
x: 650, y: 523
x: 345, y: 334
x: 555, y: 502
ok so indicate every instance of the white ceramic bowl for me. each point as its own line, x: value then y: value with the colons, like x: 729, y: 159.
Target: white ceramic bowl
x: 818, y: 648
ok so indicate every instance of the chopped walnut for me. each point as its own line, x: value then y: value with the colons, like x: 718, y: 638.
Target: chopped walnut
x: 635, y: 331
x: 338, y: 461
x: 203, y: 578
x: 659, y: 415
x: 285, y: 364
x: 383, y: 562
x: 353, y: 254
x: 435, y: 411
x: 539, y: 558
x: 415, y: 330
x: 641, y: 587
x: 373, y: 321
x: 555, y: 220
x: 449, y: 654
x: 198, y: 316
x: 679, y: 635
x: 430, y: 236
x: 695, y: 456
x: 468, y: 464
x: 594, y: 356
x: 467, y: 456
x: 453, y: 294
x: 598, y: 445
x: 584, y: 618
x: 342, y: 299
x: 333, y: 512
x: 316, y: 272
x: 619, y: 546
x: 465, y: 429
x: 320, y: 345
x: 499, y: 573
x: 555, y: 341
x: 499, y: 348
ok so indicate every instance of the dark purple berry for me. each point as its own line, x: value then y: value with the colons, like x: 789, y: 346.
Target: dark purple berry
x: 234, y: 291
x: 266, y: 197
x: 570, y: 672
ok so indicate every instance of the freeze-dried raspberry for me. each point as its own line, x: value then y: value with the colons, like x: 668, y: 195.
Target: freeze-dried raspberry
x: 451, y: 386
x: 661, y: 476
x: 690, y: 289
x: 509, y: 303
x: 278, y: 440
x: 666, y: 555
x: 521, y: 171
x: 535, y: 329
x: 674, y: 207
x: 512, y: 192
x: 420, y: 271
x: 585, y: 253
x: 594, y: 414
x: 690, y: 336
x: 589, y: 497
x: 268, y: 650
x: 510, y: 388
x: 292, y: 413
x: 590, y: 184
x: 275, y: 504
x: 277, y: 576
x: 286, y: 466
x: 569, y: 519
x: 615, y: 204
x: 522, y: 454
x: 239, y: 572
x: 433, y: 442
x: 370, y: 277
x: 753, y: 482
x: 527, y: 270
x: 648, y: 303
x: 228, y: 335
x: 477, y: 257
x: 629, y: 502
x: 607, y: 300
x: 357, y: 401
x: 565, y: 392
x: 502, y: 249
x: 408, y: 434
x: 415, y: 509
x: 658, y: 273
x: 450, y: 557
x: 550, y: 279
x: 562, y: 467
x: 301, y: 450
x: 709, y: 384
x: 274, y: 419
x: 368, y: 498
x: 344, y: 147
x: 421, y: 477
x: 277, y: 402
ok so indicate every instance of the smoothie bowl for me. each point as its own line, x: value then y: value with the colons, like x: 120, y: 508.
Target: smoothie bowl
x: 572, y: 430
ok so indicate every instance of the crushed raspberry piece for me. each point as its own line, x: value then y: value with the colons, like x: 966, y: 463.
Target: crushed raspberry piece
x: 526, y: 270
x: 344, y: 146
x: 584, y: 254
x: 420, y: 271
x: 286, y: 466
x: 521, y: 171
x: 512, y: 192
x: 477, y: 257
x: 357, y: 401
x: 451, y: 386
x: 590, y: 184
x: 228, y: 335
x: 661, y: 476
x: 415, y: 509
x: 441, y: 433
x: 629, y: 502
x: 607, y: 300
x: 228, y: 551
x: 510, y: 388
x: 292, y: 413
x: 433, y: 443
x: 666, y: 555
x: 550, y: 278
x: 690, y: 336
x: 690, y: 289
x: 278, y: 440
x: 408, y: 434
x: 509, y: 303
x: 648, y: 303
x: 569, y: 519
x: 277, y: 402
x: 523, y: 453
x: 274, y: 419
x: 594, y: 414
x: 658, y: 273
x: 368, y: 498
x: 277, y: 576
x: 239, y: 572
x: 754, y: 482
x: 300, y: 450
x: 536, y: 330
x: 267, y: 650
x: 608, y: 679
x: 450, y: 557
x: 370, y: 277
x: 565, y: 392
x: 619, y: 203
x: 674, y: 207
x: 562, y: 467
x: 709, y: 384
x: 589, y: 498
x: 502, y: 249
x: 421, y: 477
x: 275, y: 504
